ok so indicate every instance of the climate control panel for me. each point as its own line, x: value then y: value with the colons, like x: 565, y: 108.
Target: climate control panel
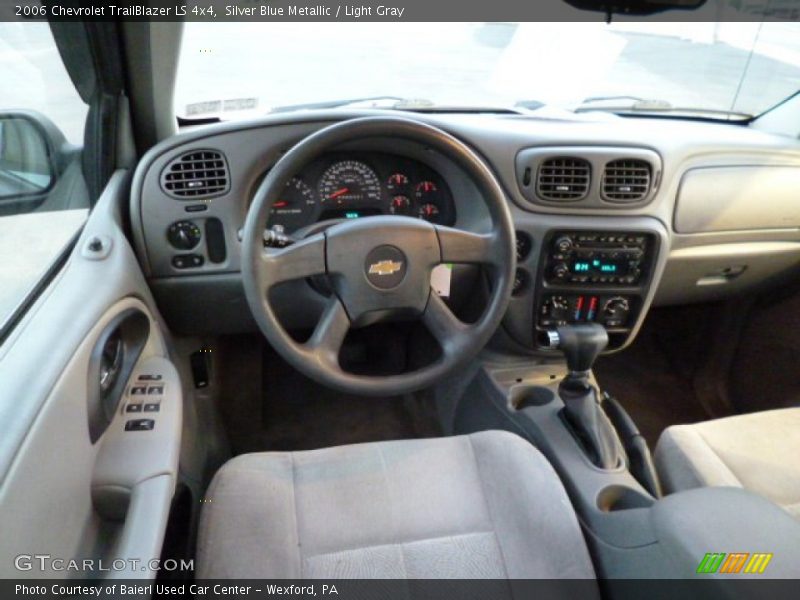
x: 612, y: 311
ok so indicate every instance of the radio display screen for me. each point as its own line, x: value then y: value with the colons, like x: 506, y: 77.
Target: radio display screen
x: 599, y: 266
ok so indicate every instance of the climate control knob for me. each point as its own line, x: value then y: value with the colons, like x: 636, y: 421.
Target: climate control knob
x: 615, y: 311
x: 554, y: 311
x: 183, y: 235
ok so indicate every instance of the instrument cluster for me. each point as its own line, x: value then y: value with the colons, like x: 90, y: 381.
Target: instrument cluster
x: 352, y: 185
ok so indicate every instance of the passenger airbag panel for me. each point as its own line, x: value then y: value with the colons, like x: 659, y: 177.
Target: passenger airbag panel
x: 738, y: 198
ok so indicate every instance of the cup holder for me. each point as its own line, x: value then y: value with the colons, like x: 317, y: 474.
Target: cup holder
x: 619, y: 497
x: 523, y: 396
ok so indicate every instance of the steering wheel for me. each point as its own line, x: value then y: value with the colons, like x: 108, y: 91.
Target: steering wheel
x: 378, y: 266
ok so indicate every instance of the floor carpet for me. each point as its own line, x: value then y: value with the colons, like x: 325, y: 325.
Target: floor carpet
x: 269, y: 405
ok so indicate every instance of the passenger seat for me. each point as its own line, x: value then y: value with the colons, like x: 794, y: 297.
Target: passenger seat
x: 759, y: 452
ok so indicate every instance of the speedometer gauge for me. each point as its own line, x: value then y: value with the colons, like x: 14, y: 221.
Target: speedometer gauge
x: 294, y: 208
x: 349, y: 183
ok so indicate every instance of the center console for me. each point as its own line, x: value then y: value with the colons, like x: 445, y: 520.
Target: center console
x: 593, y: 276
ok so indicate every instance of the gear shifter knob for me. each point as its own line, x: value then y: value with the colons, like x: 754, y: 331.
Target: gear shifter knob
x: 581, y: 343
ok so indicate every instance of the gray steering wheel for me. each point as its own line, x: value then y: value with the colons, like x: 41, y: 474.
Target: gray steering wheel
x: 378, y: 266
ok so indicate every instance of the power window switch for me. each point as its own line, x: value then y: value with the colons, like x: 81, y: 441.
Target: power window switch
x: 133, y: 408
x: 149, y: 377
x: 152, y: 407
x: 140, y: 425
x: 138, y: 390
x: 155, y: 390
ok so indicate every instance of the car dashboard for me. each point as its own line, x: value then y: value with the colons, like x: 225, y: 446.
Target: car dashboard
x: 612, y: 215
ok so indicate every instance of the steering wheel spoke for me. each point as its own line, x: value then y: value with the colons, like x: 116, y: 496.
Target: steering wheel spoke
x: 459, y: 246
x: 302, y: 259
x: 329, y: 334
x: 449, y: 330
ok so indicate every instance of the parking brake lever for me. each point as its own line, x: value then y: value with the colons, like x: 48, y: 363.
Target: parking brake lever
x: 581, y: 344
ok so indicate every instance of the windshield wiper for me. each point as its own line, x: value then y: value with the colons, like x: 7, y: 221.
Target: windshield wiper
x: 421, y: 105
x: 398, y: 103
x: 615, y: 103
x: 635, y: 104
x: 371, y: 101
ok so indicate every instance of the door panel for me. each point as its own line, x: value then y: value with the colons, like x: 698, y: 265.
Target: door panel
x: 61, y: 494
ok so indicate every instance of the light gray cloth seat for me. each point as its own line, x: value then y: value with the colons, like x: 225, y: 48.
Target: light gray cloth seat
x: 486, y: 505
x: 757, y: 451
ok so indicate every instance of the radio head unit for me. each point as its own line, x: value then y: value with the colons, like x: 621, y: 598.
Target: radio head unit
x: 580, y: 258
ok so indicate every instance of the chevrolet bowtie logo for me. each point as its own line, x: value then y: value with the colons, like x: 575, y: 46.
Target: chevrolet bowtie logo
x: 385, y: 267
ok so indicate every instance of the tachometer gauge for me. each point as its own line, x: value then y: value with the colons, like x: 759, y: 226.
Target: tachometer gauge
x: 397, y: 183
x: 349, y: 183
x: 295, y: 207
x: 429, y: 212
x: 401, y: 205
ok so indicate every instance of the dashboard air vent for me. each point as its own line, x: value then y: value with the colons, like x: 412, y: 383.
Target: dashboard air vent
x: 563, y: 179
x: 626, y: 180
x: 197, y: 174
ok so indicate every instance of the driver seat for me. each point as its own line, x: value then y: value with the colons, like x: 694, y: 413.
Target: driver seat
x: 486, y: 505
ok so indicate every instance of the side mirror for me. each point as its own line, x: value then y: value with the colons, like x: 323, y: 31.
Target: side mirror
x: 26, y: 157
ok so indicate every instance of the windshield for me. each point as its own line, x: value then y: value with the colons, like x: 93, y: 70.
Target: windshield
x: 235, y: 70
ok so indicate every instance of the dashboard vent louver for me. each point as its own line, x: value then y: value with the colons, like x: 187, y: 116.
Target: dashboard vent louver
x: 564, y: 179
x: 197, y: 174
x: 626, y: 180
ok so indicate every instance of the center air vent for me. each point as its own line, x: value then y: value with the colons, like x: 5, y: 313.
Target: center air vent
x: 197, y: 174
x: 563, y: 179
x: 626, y: 180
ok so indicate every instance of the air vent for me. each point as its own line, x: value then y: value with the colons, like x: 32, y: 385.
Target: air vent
x: 626, y: 180
x: 563, y: 179
x: 198, y: 174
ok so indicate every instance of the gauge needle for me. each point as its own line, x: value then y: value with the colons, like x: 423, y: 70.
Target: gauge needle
x: 338, y: 193
x: 280, y: 204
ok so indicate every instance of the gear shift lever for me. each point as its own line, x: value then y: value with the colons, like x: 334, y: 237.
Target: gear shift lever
x: 581, y: 344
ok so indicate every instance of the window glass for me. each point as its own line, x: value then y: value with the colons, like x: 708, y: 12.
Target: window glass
x: 232, y: 70
x: 43, y: 196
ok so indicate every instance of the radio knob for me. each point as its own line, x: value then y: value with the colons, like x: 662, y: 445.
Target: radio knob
x: 564, y: 244
x: 560, y: 270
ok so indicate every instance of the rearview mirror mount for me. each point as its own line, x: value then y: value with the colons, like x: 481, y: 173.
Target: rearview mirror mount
x: 634, y: 7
